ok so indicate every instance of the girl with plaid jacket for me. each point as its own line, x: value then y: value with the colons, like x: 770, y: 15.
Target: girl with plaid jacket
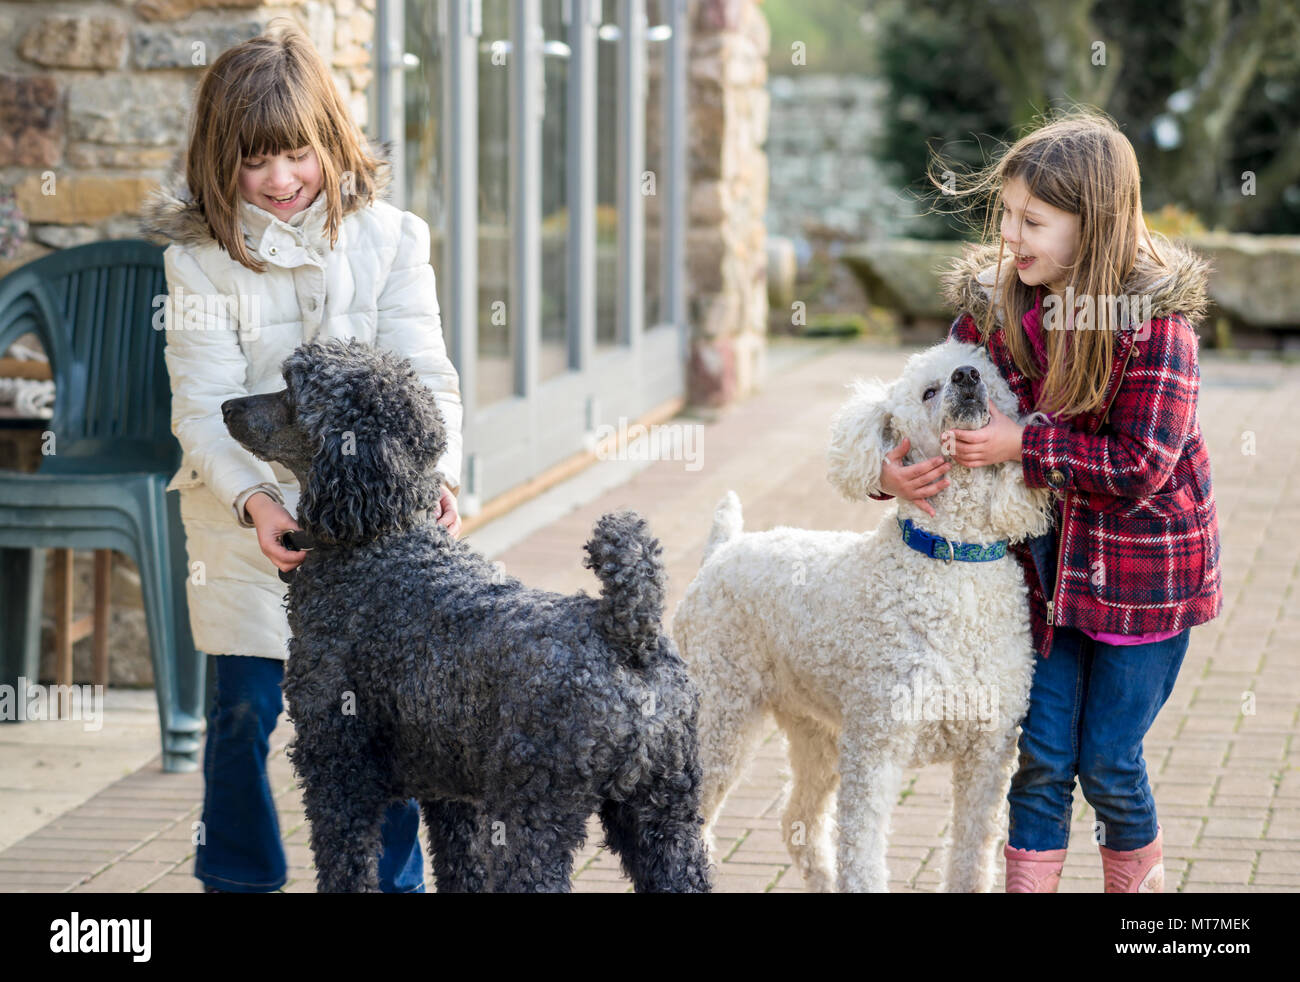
x: 1090, y: 318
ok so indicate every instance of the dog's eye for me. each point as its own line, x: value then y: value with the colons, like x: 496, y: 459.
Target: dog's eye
x: 929, y: 393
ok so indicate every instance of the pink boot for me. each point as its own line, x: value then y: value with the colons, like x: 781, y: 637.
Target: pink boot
x: 1032, y: 870
x: 1135, y: 870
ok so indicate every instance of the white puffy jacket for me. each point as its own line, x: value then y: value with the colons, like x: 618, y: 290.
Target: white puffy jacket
x: 228, y: 331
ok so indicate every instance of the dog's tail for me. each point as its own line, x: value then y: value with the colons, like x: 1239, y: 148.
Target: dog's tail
x: 728, y: 522
x: 626, y: 558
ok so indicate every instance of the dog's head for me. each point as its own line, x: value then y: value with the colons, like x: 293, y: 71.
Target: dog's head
x: 945, y: 387
x: 358, y: 428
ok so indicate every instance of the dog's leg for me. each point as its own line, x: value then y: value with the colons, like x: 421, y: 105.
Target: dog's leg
x: 531, y: 850
x: 457, y: 837
x: 979, y: 787
x: 344, y: 802
x: 728, y: 736
x: 657, y: 837
x: 870, y: 778
x: 806, y: 821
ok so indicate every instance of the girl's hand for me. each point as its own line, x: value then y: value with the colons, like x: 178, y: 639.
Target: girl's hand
x: 995, y: 442
x: 447, y: 515
x: 272, y: 521
x: 914, y: 482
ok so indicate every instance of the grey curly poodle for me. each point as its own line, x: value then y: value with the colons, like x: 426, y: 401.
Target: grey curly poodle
x: 417, y: 669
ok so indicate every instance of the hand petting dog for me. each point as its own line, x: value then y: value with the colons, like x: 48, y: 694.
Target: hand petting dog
x: 994, y: 443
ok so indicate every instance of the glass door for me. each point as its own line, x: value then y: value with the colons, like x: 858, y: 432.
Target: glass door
x: 543, y: 141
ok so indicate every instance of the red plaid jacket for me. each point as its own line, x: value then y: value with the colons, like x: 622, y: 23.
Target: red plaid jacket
x: 1138, y: 546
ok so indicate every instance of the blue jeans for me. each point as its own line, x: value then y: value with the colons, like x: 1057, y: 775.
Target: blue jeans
x: 1090, y: 707
x: 240, y: 851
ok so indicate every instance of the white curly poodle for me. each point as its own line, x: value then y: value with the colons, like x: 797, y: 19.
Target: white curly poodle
x: 872, y: 655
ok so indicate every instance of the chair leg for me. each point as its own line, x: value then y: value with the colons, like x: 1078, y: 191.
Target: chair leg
x: 177, y: 668
x: 103, y: 577
x: 191, y: 666
x: 63, y: 640
x: 22, y: 590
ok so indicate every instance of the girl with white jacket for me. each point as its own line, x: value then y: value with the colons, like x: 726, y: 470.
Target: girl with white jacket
x: 277, y: 237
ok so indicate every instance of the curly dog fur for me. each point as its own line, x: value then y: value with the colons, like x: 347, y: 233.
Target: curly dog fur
x: 872, y: 656
x: 418, y: 669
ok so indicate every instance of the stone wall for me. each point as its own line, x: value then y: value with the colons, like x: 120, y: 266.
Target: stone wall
x: 727, y: 261
x: 825, y: 180
x: 94, y: 98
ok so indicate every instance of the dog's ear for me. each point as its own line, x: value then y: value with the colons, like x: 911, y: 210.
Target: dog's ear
x: 363, y: 484
x: 862, y: 433
x: 378, y: 436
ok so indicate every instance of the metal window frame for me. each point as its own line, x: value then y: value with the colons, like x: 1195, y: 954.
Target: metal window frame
x: 580, y: 170
x: 525, y: 122
x: 631, y: 166
x: 675, y: 116
x: 390, y: 89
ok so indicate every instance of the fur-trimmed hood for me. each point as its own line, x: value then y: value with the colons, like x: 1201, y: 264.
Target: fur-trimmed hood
x: 1182, y: 288
x: 170, y: 215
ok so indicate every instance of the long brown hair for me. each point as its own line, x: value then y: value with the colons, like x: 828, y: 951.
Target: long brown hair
x: 1079, y: 162
x: 269, y: 95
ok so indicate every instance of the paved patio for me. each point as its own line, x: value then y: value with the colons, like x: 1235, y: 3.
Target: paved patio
x: 1225, y: 780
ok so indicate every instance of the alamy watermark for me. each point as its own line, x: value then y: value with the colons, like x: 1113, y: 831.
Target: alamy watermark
x: 936, y: 703
x: 33, y: 701
x: 636, y: 441
x: 209, y: 312
x: 1082, y: 313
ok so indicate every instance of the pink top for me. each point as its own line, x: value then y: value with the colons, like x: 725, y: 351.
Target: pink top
x: 1032, y: 323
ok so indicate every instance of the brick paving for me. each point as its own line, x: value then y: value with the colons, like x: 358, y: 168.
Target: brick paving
x: 1221, y: 755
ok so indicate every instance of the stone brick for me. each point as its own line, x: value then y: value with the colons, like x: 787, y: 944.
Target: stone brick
x: 1219, y: 871
x: 600, y: 886
x: 746, y: 882
x: 44, y: 864
x: 127, y: 109
x: 31, y: 122
x: 65, y: 237
x: 127, y: 876
x: 164, y: 851
x: 156, y: 10
x: 175, y: 883
x: 190, y: 46
x: 1234, y: 827
x: 34, y: 882
x: 94, y: 156
x: 711, y: 373
x: 78, y: 199
x: 75, y: 41
x: 1279, y: 863
x: 87, y: 852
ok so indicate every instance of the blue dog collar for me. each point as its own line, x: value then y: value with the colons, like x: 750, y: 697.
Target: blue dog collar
x: 937, y: 547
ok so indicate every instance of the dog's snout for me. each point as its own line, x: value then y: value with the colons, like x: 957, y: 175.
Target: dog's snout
x: 965, y: 375
x: 227, y: 410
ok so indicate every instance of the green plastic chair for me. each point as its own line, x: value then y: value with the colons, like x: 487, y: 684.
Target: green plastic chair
x: 104, y: 486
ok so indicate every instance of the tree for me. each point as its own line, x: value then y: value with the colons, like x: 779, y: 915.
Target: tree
x: 1205, y: 90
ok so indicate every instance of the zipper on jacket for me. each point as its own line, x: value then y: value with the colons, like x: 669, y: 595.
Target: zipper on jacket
x: 1060, y: 561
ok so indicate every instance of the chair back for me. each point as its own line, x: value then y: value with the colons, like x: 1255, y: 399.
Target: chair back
x: 93, y: 308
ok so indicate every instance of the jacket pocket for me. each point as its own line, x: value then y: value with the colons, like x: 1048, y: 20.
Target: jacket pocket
x: 1148, y: 552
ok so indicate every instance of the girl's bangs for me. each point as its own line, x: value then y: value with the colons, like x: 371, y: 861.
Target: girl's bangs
x: 271, y: 129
